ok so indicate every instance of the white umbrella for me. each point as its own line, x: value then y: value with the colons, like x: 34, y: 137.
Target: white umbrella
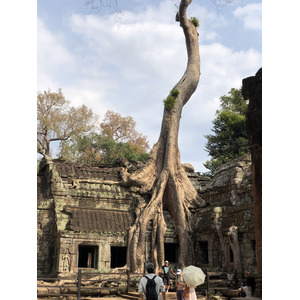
x: 193, y: 276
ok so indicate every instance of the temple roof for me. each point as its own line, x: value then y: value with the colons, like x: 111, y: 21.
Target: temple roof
x: 98, y: 220
x: 79, y: 171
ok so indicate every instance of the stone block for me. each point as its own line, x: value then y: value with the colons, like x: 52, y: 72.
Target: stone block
x: 54, y: 290
x: 105, y: 292
x: 42, y: 291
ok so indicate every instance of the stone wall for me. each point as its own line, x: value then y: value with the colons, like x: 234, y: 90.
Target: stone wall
x: 229, y: 203
x: 85, y: 206
x: 46, y: 230
x: 81, y: 206
x: 252, y: 91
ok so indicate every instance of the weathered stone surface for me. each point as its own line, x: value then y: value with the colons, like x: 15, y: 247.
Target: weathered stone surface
x: 98, y: 220
x: 87, y: 205
x: 229, y: 203
x: 188, y: 167
x: 252, y: 90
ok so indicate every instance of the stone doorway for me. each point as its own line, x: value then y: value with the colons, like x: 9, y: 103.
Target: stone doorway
x: 117, y: 256
x: 171, y: 252
x: 203, y: 252
x: 87, y: 256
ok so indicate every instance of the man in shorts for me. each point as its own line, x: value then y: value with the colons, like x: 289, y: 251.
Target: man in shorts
x: 166, y: 269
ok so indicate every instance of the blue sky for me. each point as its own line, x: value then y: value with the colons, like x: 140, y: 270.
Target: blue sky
x: 128, y: 63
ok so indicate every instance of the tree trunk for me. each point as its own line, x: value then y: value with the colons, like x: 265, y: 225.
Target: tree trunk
x: 163, y: 175
x: 235, y: 246
x: 217, y: 224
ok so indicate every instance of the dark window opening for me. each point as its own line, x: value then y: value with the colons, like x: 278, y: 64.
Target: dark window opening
x: 253, y: 247
x: 87, y: 256
x: 117, y: 256
x: 230, y: 255
x: 171, y: 252
x: 203, y: 253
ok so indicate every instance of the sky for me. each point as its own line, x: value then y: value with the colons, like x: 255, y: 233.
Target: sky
x: 128, y: 62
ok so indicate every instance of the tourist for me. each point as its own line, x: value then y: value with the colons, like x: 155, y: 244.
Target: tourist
x: 159, y: 284
x: 248, y: 287
x: 190, y: 293
x: 166, y: 269
x: 180, y: 285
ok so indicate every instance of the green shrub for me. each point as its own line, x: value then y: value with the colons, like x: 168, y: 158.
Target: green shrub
x: 171, y: 99
x: 195, y: 21
x: 175, y: 93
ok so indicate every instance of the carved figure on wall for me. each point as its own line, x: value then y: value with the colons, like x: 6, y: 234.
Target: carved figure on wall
x: 66, y: 261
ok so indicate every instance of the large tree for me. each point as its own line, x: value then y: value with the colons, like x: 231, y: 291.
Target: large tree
x: 122, y: 129
x: 163, y: 175
x: 58, y: 121
x: 117, y: 140
x: 229, y: 139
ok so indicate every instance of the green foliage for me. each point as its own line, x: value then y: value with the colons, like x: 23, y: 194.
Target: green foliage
x: 195, y: 21
x: 171, y: 99
x: 230, y: 139
x: 97, y: 148
x: 174, y: 93
x: 234, y: 102
x: 169, y: 102
x: 58, y: 121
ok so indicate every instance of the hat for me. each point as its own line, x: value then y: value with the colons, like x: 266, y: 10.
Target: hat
x: 166, y: 261
x: 178, y: 271
x: 150, y: 266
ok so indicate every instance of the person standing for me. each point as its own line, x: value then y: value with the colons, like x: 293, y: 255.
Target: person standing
x: 180, y: 285
x: 190, y: 293
x: 248, y: 287
x: 166, y: 269
x: 154, y: 281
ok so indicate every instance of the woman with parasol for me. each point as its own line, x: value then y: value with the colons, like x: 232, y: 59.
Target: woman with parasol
x: 193, y: 277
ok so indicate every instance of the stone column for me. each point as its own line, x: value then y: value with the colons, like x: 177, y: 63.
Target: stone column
x: 252, y: 91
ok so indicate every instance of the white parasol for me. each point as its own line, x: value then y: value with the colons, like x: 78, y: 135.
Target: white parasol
x: 193, y: 276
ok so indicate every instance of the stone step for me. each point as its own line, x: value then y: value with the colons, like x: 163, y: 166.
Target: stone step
x: 130, y: 296
x: 248, y: 298
x: 135, y: 295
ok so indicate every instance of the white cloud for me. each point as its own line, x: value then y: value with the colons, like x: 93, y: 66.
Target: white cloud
x: 53, y: 56
x: 130, y: 66
x: 250, y: 15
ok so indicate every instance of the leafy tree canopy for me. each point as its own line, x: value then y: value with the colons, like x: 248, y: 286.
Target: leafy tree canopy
x: 58, y: 121
x: 117, y: 140
x: 122, y: 129
x: 81, y: 138
x: 234, y: 102
x: 230, y: 139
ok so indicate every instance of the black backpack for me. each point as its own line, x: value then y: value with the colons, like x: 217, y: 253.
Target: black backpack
x: 150, y: 289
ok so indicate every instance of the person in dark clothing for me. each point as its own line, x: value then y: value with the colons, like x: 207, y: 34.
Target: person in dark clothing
x: 249, y: 284
x: 166, y: 269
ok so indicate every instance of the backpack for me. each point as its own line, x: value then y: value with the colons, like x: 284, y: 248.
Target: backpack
x: 151, y: 293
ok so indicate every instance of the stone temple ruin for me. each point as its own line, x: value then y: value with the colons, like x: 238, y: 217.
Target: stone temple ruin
x: 83, y: 213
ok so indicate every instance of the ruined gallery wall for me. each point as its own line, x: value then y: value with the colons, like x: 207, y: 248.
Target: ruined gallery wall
x: 46, y: 228
x: 229, y: 203
x: 84, y: 205
x: 81, y: 205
